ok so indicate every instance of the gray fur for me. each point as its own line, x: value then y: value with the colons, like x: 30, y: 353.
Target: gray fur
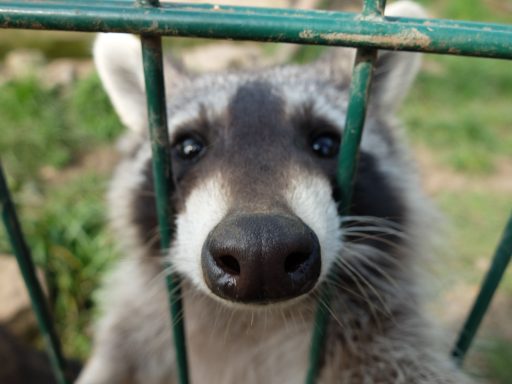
x: 257, y: 126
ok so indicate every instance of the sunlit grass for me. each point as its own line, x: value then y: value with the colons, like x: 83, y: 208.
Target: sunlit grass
x: 460, y: 107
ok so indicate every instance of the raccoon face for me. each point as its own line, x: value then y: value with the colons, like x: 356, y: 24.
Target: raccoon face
x: 254, y: 158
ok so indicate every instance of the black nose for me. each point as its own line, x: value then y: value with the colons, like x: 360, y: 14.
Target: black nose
x: 261, y: 258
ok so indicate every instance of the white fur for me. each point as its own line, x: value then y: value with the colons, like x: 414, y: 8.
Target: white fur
x: 310, y: 198
x: 204, y: 209
x: 118, y: 58
x: 406, y: 8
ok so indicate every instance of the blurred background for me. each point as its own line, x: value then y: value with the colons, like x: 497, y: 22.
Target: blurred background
x: 57, y: 143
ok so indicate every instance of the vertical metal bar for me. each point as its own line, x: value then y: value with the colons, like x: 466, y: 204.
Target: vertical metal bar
x: 356, y: 115
x: 157, y: 115
x: 499, y: 264
x: 347, y: 165
x: 28, y: 271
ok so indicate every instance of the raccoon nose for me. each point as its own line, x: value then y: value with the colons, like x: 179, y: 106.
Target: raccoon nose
x: 261, y: 258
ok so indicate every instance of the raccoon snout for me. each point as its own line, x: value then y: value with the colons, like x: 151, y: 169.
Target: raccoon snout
x: 261, y: 258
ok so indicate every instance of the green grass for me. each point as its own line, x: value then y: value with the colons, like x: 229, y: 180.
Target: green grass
x: 64, y: 222
x: 460, y: 107
x: 66, y: 232
x: 32, y: 129
x: 478, y: 219
x: 476, y: 222
x: 52, y: 44
x: 499, y: 354
x: 52, y: 127
x: 64, y: 225
x: 474, y: 10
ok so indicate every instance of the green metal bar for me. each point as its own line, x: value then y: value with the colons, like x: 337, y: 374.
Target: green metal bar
x: 28, y: 271
x: 498, y: 267
x: 121, y: 6
x: 346, y: 169
x: 157, y: 115
x: 347, y: 165
x: 356, y: 114
x: 243, y: 23
x: 373, y: 8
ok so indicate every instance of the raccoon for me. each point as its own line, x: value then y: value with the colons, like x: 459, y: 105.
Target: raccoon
x: 254, y: 158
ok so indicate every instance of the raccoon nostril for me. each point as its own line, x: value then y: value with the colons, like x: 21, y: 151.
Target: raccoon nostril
x: 229, y: 264
x: 261, y: 258
x: 295, y: 260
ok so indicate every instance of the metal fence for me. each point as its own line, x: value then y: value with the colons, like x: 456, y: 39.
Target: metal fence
x: 367, y: 31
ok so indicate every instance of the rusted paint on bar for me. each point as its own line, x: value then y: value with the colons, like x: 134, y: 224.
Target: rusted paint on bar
x: 260, y: 24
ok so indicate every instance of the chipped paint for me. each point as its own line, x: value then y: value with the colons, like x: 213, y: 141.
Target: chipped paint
x: 260, y: 24
x: 307, y: 34
x: 408, y: 37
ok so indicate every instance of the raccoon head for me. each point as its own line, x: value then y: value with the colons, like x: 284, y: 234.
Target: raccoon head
x: 254, y: 158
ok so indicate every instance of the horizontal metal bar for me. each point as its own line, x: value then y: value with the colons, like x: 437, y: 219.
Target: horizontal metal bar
x: 120, y: 5
x: 125, y: 4
x: 260, y: 24
x: 495, y: 274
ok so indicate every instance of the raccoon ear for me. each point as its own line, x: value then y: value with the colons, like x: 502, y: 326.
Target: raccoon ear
x: 393, y: 76
x: 118, y: 59
x: 395, y: 71
x: 119, y: 63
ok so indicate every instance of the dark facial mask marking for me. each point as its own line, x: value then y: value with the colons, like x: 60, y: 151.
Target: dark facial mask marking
x: 252, y: 151
x: 374, y: 196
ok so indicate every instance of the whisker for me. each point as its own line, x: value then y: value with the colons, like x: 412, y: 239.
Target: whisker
x: 283, y: 315
x: 228, y: 325
x: 383, y: 230
x: 367, y: 283
x: 373, y: 219
x: 364, y: 236
x: 368, y: 251
x: 363, y: 296
x: 332, y: 281
x: 327, y: 307
x: 363, y: 279
x: 361, y: 258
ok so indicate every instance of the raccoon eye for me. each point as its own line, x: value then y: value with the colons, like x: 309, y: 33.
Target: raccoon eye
x: 189, y: 147
x: 326, y: 144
